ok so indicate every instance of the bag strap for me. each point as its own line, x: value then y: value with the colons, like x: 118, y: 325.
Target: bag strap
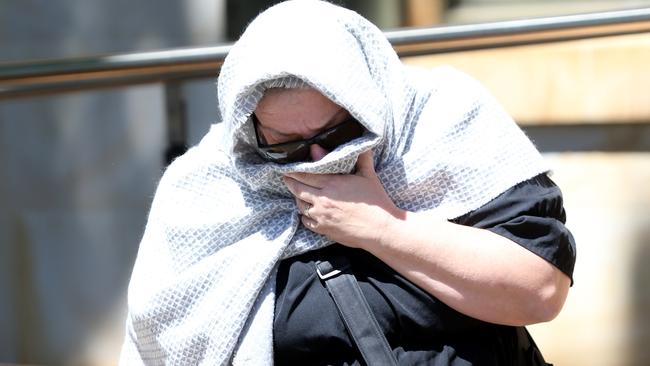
x: 355, y: 311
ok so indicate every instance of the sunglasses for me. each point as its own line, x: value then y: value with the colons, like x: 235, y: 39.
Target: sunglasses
x: 298, y: 150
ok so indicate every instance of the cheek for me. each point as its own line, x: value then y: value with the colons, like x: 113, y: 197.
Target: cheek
x: 270, y: 138
x: 266, y: 138
x: 317, y: 152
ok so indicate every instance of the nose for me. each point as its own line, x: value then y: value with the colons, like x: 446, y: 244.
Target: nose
x: 317, y: 152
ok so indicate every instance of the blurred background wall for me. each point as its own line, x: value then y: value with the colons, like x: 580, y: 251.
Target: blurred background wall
x: 78, y: 170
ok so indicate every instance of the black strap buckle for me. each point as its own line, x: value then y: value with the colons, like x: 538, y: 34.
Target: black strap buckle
x: 324, y: 273
x: 332, y: 268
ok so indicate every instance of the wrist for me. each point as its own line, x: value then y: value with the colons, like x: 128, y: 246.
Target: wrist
x: 390, y: 230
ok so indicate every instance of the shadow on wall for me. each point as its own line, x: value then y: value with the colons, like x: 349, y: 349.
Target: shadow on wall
x: 77, y: 203
x: 77, y: 174
x: 639, y: 326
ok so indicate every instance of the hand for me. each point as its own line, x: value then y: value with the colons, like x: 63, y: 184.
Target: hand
x: 351, y: 209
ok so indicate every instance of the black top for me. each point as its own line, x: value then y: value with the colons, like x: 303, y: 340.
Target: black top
x: 307, y: 328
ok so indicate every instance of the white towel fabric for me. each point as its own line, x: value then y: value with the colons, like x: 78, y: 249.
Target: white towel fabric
x: 202, y: 288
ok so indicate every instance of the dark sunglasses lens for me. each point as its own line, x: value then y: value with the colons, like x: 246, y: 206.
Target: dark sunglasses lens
x: 339, y: 135
x: 299, y: 150
x: 301, y: 154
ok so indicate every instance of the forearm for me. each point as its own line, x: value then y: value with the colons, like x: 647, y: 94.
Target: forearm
x: 474, y: 271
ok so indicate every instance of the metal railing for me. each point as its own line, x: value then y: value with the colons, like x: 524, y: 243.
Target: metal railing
x: 56, y: 76
x: 172, y: 67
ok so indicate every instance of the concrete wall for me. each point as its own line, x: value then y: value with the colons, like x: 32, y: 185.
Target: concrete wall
x: 605, y: 320
x: 78, y: 171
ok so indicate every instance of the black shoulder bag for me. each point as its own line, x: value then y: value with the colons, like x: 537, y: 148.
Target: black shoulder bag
x: 355, y: 311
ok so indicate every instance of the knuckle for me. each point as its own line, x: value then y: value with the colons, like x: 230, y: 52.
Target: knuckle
x: 302, y: 195
x: 325, y: 201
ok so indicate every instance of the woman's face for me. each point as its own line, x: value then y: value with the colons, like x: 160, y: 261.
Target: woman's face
x: 295, y: 114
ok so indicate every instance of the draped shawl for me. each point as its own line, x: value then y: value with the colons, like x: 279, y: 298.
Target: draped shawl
x: 202, y: 289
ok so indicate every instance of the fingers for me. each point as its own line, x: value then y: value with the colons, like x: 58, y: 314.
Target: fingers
x: 313, y: 180
x: 300, y: 190
x: 309, y: 223
x: 366, y: 164
x: 305, y: 197
x: 304, y: 207
x: 307, y: 220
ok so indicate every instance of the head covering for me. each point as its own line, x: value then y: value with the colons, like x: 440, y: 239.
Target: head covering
x: 202, y: 287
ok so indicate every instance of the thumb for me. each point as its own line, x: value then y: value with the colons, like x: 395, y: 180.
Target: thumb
x: 366, y: 164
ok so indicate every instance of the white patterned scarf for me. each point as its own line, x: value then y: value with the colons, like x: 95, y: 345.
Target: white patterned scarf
x: 202, y: 290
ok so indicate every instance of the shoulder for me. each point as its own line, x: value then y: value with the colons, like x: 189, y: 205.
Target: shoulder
x: 201, y: 179
x: 448, y: 79
x: 531, y: 214
x: 455, y: 97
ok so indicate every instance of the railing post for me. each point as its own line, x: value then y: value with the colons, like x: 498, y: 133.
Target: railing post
x: 176, y: 121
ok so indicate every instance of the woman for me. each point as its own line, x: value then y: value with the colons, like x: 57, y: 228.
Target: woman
x: 330, y: 148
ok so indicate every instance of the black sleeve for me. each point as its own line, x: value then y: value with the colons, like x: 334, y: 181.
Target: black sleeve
x: 532, y: 215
